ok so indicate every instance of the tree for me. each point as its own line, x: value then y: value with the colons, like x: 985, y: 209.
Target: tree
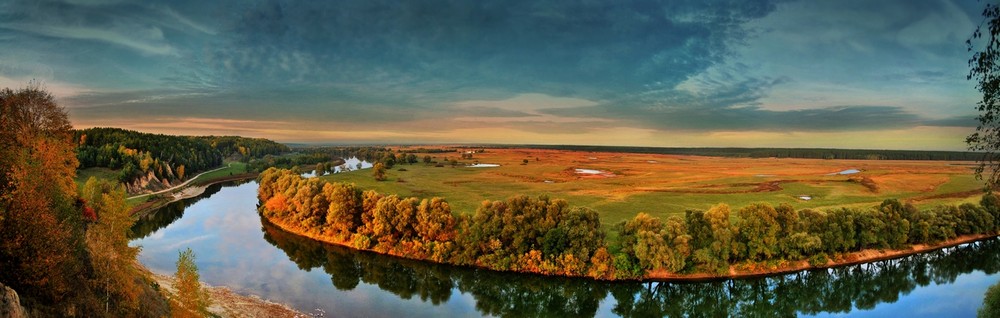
x: 39, y: 226
x: 991, y: 303
x: 112, y: 260
x: 758, y: 231
x: 427, y: 159
x: 985, y: 69
x: 320, y: 169
x: 180, y: 172
x: 192, y: 300
x: 378, y: 171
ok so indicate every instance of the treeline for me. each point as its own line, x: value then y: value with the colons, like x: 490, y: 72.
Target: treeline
x: 137, y: 154
x: 712, y: 240
x: 307, y: 158
x: 539, y: 235
x: 805, y: 153
x: 839, y: 290
x: 543, y: 235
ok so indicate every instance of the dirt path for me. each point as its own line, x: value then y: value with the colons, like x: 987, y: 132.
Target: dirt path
x: 179, y: 185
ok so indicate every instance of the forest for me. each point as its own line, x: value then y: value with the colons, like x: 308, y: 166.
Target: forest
x: 137, y: 154
x: 548, y: 236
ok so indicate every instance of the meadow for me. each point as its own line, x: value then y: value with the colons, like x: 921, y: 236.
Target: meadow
x: 620, y: 185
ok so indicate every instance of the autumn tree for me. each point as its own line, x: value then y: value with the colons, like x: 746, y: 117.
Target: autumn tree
x: 192, y: 300
x: 343, y: 215
x: 378, y: 171
x: 713, y: 236
x: 39, y: 226
x: 112, y: 259
x: 180, y: 172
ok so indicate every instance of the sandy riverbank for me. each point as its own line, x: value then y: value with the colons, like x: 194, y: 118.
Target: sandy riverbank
x: 227, y: 303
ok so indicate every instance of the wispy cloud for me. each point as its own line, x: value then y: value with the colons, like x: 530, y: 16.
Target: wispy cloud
x: 528, y: 71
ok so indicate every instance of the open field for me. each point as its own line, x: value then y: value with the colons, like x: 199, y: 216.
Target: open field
x: 663, y: 185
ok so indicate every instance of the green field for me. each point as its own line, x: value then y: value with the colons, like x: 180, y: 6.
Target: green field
x: 664, y: 185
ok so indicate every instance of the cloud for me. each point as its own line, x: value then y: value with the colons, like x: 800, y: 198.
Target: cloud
x: 552, y: 68
x: 591, y: 50
x: 145, y: 42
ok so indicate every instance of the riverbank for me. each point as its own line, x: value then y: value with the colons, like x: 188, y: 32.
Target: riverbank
x: 185, y: 191
x: 737, y: 271
x: 226, y: 303
x: 841, y: 260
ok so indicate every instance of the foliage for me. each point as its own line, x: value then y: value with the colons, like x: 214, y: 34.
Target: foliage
x: 112, y: 259
x: 378, y: 171
x: 167, y: 157
x: 192, y: 300
x: 544, y: 235
x: 40, y: 229
x: 986, y: 72
x: 991, y: 303
x: 64, y: 254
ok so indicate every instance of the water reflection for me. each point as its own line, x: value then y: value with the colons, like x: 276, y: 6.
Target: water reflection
x: 840, y: 290
x: 225, y: 232
x: 152, y: 222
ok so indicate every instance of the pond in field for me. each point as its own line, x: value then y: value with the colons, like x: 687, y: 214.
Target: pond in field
x: 236, y: 249
x: 483, y: 165
x: 848, y: 171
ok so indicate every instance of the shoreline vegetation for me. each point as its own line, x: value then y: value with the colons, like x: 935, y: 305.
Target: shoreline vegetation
x: 187, y: 190
x: 547, y: 236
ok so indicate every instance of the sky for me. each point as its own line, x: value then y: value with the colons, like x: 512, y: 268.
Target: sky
x: 731, y: 73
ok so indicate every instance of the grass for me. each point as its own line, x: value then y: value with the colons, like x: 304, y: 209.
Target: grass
x: 83, y: 175
x: 232, y: 168
x: 665, y: 185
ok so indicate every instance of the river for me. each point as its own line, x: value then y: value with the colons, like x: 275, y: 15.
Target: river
x: 236, y: 248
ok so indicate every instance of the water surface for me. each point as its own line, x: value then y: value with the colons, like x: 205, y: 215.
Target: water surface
x: 235, y: 248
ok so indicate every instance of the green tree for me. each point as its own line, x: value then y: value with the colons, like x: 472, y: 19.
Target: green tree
x: 991, y: 303
x: 985, y: 69
x: 378, y: 171
x: 427, y: 159
x: 757, y: 232
x: 192, y: 299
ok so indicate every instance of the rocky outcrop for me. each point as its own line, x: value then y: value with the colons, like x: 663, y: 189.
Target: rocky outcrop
x: 10, y: 303
x: 147, y: 183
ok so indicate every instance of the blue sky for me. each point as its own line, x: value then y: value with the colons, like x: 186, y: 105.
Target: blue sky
x: 846, y: 74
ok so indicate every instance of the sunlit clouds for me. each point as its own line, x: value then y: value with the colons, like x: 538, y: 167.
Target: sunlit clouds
x: 846, y: 74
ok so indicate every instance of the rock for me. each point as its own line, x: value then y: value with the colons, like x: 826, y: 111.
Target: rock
x: 148, y: 182
x: 10, y: 303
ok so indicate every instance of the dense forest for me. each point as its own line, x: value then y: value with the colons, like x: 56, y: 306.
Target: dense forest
x: 548, y: 236
x: 65, y: 252
x: 137, y: 154
x: 806, y: 153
